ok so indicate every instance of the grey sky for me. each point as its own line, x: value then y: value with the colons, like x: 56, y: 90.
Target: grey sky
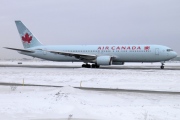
x: 91, y: 22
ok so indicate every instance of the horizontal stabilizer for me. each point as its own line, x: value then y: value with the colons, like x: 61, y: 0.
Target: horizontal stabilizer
x: 21, y: 50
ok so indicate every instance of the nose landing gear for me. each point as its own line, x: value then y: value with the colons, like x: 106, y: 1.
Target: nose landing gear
x: 162, y: 65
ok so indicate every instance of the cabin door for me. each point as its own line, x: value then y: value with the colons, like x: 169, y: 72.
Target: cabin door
x: 157, y: 51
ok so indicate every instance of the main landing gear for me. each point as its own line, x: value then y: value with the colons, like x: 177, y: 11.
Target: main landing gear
x: 90, y: 66
x: 162, y: 65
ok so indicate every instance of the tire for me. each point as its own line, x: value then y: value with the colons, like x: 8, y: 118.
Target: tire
x: 93, y: 66
x: 88, y: 66
x: 162, y: 67
x: 97, y: 66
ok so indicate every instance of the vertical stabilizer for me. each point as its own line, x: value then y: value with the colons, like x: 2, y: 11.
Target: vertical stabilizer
x: 28, y: 39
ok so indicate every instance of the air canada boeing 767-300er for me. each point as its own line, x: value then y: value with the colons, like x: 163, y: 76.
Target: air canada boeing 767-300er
x: 95, y: 54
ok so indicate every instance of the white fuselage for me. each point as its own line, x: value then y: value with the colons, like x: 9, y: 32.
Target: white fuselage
x: 121, y: 53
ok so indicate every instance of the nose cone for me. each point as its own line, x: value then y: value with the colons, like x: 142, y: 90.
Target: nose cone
x: 174, y: 54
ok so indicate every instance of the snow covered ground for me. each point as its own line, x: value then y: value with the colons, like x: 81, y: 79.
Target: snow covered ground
x: 151, y: 78
x: 56, y: 103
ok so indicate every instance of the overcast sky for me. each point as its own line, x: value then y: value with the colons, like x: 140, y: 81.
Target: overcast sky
x: 74, y: 22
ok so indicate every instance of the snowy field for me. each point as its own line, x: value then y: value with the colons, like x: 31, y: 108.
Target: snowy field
x: 21, y: 102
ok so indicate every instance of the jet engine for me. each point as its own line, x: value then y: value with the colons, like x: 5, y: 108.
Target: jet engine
x: 104, y: 60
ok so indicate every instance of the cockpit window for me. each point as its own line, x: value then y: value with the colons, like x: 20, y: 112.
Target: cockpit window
x: 169, y: 50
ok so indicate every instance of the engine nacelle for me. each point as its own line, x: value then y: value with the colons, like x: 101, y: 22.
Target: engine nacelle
x: 117, y: 63
x: 104, y: 60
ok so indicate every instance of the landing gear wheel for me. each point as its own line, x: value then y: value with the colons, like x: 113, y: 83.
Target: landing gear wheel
x: 86, y: 65
x: 90, y: 66
x: 95, y: 66
x: 162, y: 67
x: 83, y: 65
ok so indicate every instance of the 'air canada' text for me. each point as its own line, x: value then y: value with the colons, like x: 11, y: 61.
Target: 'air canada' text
x: 123, y: 48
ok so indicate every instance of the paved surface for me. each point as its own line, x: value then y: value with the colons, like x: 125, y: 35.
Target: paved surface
x: 65, y: 119
x: 98, y: 89
x: 168, y: 67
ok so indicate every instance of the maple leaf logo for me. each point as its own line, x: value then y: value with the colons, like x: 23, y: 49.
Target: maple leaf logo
x: 146, y: 47
x: 27, y: 38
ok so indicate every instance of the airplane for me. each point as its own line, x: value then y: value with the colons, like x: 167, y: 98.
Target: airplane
x: 92, y: 55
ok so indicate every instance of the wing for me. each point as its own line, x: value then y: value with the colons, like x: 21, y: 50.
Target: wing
x: 76, y: 55
x: 20, y: 50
